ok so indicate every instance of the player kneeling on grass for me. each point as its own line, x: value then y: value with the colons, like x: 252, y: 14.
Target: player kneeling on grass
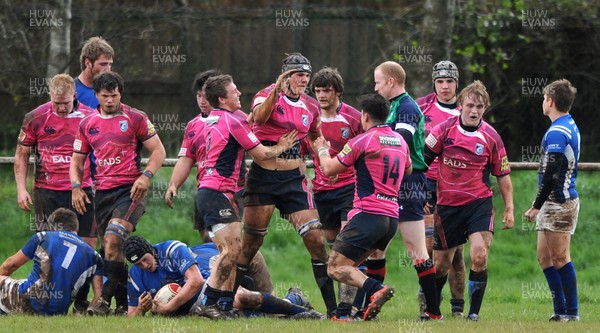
x: 381, y: 158
x: 62, y: 264
x: 174, y: 262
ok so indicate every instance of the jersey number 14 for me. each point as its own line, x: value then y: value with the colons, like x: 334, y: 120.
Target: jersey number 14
x: 392, y: 171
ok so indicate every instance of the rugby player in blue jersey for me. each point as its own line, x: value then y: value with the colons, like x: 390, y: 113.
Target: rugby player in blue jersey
x: 556, y: 205
x: 62, y: 264
x: 174, y: 262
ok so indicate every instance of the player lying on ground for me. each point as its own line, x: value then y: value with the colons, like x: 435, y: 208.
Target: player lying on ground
x: 173, y: 261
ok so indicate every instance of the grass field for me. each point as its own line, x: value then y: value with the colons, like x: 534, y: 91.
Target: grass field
x: 517, y: 298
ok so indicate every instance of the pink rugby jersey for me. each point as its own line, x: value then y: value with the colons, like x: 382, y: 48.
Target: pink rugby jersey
x: 379, y: 156
x: 337, y: 130
x: 301, y: 115
x: 466, y: 161
x: 434, y: 114
x: 227, y: 137
x: 53, y: 137
x: 193, y: 145
x: 116, y: 141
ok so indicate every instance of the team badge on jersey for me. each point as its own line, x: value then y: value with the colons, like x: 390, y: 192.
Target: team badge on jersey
x: 345, y: 132
x: 504, y: 164
x: 479, y: 149
x: 151, y: 129
x: 123, y: 125
x: 252, y: 137
x: 22, y: 136
x: 430, y: 141
x: 345, y: 151
x: 305, y: 119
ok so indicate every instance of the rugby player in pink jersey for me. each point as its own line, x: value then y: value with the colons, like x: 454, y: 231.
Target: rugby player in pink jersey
x: 49, y: 130
x: 227, y: 137
x: 437, y: 107
x: 334, y: 195
x: 407, y: 120
x: 469, y: 150
x: 279, y: 183
x: 115, y: 134
x: 381, y: 158
x: 193, y: 150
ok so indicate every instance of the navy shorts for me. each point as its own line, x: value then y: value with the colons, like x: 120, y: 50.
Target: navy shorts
x: 47, y: 201
x: 114, y: 203
x: 412, y: 197
x: 431, y: 193
x: 215, y: 207
x: 363, y: 233
x: 284, y: 189
x: 334, y: 205
x: 198, y: 222
x: 454, y: 224
x: 239, y: 201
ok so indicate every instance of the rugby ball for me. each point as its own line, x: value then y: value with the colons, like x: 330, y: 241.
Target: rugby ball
x: 166, y: 293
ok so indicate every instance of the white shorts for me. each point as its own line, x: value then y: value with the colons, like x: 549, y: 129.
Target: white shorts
x: 558, y: 217
x: 11, y: 302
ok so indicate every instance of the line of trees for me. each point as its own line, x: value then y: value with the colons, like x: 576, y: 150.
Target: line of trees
x: 514, y: 46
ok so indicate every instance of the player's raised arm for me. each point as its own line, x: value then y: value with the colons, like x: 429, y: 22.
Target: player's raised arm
x: 263, y: 111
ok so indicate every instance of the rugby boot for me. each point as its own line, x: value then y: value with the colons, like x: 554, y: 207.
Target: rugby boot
x: 100, y: 308
x: 426, y: 316
x: 378, y: 299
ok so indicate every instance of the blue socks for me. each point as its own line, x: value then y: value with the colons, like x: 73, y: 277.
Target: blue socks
x: 556, y: 289
x: 569, y: 287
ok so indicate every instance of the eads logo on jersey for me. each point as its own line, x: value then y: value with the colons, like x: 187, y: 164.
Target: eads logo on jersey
x: 454, y: 163
x: 108, y: 161
x: 61, y: 159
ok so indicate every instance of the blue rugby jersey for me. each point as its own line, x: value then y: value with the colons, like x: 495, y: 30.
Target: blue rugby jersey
x: 174, y: 259
x: 204, y: 253
x: 62, y: 263
x: 562, y: 137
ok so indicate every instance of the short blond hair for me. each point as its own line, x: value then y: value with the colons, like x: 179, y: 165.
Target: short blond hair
x: 475, y: 90
x: 393, y: 70
x: 61, y: 84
